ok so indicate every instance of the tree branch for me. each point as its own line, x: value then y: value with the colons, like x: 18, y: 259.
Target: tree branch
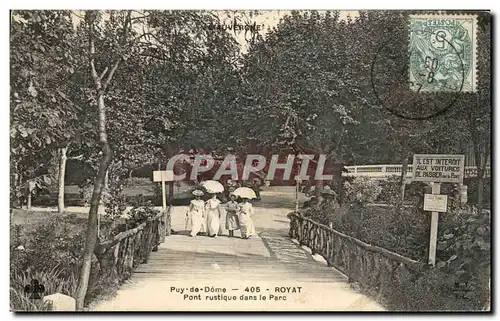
x: 126, y: 27
x: 103, y: 73
x: 79, y: 157
x: 111, y: 74
x: 192, y: 61
x: 90, y: 20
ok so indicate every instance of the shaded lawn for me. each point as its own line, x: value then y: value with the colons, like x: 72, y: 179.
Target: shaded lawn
x: 27, y: 221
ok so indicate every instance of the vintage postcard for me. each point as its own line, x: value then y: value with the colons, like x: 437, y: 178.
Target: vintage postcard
x: 250, y: 160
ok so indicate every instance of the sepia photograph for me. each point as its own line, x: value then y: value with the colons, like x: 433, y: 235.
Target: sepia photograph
x: 250, y: 160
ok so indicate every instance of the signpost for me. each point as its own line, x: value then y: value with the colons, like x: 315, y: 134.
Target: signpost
x: 437, y: 169
x: 163, y: 176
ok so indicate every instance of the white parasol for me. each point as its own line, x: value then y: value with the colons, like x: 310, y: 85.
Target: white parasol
x: 245, y: 192
x: 212, y: 186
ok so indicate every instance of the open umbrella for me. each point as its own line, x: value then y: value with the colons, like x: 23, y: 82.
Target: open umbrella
x: 212, y: 186
x: 245, y: 192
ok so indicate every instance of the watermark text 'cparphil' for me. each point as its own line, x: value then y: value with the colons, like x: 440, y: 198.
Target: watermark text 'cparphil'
x: 253, y: 163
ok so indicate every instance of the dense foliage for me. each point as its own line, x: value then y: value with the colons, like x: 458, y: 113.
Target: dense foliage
x: 462, y: 271
x: 119, y: 89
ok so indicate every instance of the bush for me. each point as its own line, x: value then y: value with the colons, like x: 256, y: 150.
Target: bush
x: 361, y: 190
x: 472, y: 191
x: 461, y: 278
x: 51, y: 253
x: 137, y: 181
x: 464, y: 251
x: 141, y: 214
x: 391, y: 194
x: 115, y: 202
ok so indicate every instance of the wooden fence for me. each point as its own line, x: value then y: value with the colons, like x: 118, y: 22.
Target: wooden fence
x: 376, y: 269
x: 124, y: 252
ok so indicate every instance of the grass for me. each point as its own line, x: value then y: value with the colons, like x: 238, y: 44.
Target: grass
x: 51, y: 280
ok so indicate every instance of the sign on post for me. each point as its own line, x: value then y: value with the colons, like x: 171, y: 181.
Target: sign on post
x: 166, y: 176
x: 438, y: 168
x: 435, y: 203
x: 163, y: 176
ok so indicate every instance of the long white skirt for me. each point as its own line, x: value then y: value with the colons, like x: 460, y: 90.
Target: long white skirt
x: 213, y: 222
x: 247, y: 226
x: 196, y: 223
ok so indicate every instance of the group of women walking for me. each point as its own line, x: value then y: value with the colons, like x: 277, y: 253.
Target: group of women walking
x: 205, y: 216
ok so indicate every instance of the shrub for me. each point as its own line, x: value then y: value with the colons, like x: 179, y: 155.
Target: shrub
x: 137, y: 181
x: 141, y: 214
x: 115, y: 202
x: 361, y: 190
x: 323, y: 213
x: 464, y: 250
x: 461, y: 278
x: 51, y: 253
x: 472, y: 191
x: 391, y: 194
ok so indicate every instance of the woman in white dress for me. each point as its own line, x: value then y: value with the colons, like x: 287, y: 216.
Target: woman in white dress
x: 213, y: 213
x: 247, y: 226
x: 196, y: 212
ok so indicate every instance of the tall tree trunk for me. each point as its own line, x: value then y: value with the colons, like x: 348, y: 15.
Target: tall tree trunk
x: 28, y: 201
x: 481, y: 169
x: 480, y: 192
x: 402, y: 181
x: 106, y: 180
x: 100, y: 86
x: 91, y: 238
x: 318, y: 188
x: 62, y: 173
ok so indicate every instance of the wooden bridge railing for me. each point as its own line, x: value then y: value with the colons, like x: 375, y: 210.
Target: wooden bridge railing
x: 124, y: 252
x: 374, y: 268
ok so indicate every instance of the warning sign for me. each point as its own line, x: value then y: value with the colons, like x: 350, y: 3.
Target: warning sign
x: 438, y: 168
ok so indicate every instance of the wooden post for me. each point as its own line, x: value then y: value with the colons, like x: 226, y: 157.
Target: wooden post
x: 62, y: 172
x: 163, y: 193
x: 31, y: 187
x: 436, y: 189
x: 296, y: 195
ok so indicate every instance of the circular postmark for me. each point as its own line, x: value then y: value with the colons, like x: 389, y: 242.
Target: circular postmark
x: 420, y: 78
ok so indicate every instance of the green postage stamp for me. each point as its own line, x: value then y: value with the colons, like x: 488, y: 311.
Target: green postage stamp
x: 443, y: 53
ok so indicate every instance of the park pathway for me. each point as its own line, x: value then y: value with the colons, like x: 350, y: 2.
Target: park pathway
x: 268, y: 272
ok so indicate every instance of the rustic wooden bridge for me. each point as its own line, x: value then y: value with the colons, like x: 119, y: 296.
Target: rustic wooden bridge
x: 271, y: 265
x: 297, y: 263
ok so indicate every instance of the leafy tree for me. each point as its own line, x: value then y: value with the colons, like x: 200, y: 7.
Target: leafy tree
x: 299, y: 86
x: 117, y: 51
x: 128, y: 52
x: 472, y: 113
x: 41, y: 110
